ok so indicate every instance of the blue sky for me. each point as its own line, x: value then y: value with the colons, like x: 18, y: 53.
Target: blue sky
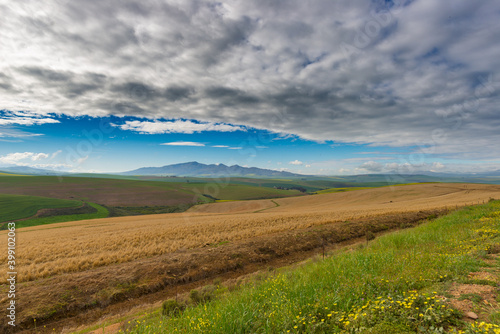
x: 326, y: 87
x: 105, y: 145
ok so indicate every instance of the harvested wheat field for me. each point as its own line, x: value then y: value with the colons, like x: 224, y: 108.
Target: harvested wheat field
x: 147, y: 250
x: 368, y: 201
x: 75, y: 246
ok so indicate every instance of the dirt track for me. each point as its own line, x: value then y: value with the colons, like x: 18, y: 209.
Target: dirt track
x: 81, y: 271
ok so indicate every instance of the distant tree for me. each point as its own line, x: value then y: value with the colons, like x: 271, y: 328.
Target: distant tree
x: 301, y: 189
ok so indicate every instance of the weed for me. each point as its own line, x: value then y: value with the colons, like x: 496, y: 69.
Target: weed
x: 369, y: 236
x: 204, y: 295
x: 172, y: 307
x: 389, y: 328
x: 474, y: 297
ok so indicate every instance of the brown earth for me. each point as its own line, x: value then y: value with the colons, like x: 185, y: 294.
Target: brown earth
x: 478, y: 302
x: 73, y: 274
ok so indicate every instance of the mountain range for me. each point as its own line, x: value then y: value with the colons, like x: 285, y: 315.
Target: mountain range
x: 196, y: 169
x: 214, y: 170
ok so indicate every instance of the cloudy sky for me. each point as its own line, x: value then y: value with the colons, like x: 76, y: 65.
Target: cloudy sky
x: 318, y: 87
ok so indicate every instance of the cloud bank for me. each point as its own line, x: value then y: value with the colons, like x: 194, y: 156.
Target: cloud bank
x: 403, y: 73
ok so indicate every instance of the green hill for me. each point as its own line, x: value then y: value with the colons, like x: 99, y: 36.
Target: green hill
x: 15, y: 207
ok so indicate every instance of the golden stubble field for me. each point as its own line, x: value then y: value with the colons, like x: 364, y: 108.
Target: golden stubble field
x: 56, y: 249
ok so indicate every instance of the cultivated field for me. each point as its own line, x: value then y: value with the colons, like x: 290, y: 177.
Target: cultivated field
x: 350, y: 204
x: 112, y: 192
x: 134, y: 193
x: 87, y: 252
x: 75, y: 246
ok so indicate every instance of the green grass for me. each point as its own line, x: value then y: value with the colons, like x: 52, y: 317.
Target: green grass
x: 340, y: 190
x: 236, y: 192
x: 386, y: 286
x: 13, y: 207
x: 102, y: 212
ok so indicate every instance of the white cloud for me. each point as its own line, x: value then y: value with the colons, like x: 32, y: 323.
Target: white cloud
x: 177, y: 126
x: 15, y: 120
x: 228, y: 147
x: 82, y: 160
x: 183, y: 143
x: 18, y: 134
x: 308, y: 166
x: 52, y: 166
x: 56, y: 153
x: 22, y: 158
x: 296, y: 162
x: 437, y: 166
x: 371, y: 166
x: 39, y: 156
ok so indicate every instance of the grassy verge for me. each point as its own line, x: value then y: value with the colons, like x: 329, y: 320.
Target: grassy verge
x: 394, y: 284
x: 102, y: 212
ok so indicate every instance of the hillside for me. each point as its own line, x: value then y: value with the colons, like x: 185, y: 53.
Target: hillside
x: 16, y: 207
x: 133, y: 193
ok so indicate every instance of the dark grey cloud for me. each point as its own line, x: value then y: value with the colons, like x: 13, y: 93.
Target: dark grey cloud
x: 229, y: 96
x: 419, y: 73
x: 175, y: 93
x: 5, y: 82
x: 45, y: 75
x: 74, y: 90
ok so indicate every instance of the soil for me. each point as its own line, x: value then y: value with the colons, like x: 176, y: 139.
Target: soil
x: 477, y: 300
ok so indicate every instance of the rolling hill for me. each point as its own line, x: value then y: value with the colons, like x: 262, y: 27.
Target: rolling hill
x: 30, y: 170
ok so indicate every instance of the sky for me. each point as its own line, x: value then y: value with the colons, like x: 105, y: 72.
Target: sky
x: 313, y: 87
